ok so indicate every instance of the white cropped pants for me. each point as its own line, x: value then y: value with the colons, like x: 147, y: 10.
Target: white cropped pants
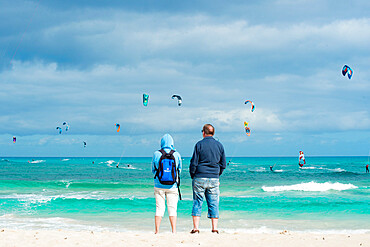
x: 161, y: 195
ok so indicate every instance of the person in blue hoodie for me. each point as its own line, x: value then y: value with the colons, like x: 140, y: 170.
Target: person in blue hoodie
x: 162, y: 191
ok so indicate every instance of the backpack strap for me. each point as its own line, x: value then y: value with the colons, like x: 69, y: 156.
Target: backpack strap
x: 159, y: 162
x: 178, y: 173
x: 164, y: 154
x: 171, y: 152
x: 178, y: 183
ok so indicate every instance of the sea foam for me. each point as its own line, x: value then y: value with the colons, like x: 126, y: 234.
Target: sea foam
x: 110, y: 162
x: 259, y: 169
x: 46, y: 198
x: 37, y: 161
x: 311, y: 186
x: 278, y: 170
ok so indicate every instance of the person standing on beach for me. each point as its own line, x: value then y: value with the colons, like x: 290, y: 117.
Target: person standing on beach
x: 206, y: 165
x: 167, y: 190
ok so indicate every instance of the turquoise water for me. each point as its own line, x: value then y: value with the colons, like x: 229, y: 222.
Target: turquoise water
x: 330, y: 194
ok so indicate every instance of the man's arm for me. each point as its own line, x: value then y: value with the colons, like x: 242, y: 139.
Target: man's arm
x: 222, y: 160
x: 193, y: 163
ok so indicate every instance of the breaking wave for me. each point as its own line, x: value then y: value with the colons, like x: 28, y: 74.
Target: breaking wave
x: 311, y: 186
x: 37, y: 161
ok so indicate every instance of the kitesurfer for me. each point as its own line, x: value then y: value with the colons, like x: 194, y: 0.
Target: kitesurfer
x: 367, y: 168
x: 271, y: 168
x: 302, y: 160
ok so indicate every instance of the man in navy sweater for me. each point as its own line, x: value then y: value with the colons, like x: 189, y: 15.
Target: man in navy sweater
x: 206, y: 166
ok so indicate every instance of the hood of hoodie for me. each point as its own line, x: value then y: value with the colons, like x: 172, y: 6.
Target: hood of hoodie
x: 167, y: 142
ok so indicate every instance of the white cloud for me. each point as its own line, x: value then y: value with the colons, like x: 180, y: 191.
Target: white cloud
x: 203, y: 35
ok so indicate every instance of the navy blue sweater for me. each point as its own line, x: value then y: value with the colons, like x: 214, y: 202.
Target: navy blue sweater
x: 208, y: 159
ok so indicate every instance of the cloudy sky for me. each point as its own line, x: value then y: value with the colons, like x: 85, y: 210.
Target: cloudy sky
x: 88, y: 63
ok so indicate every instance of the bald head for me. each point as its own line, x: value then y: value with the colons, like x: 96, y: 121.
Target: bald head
x: 208, y: 130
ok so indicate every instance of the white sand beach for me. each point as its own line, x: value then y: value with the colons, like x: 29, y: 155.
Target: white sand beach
x: 88, y: 238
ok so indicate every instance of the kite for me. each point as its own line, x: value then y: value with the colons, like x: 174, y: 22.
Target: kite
x: 118, y: 127
x: 84, y: 144
x: 145, y: 99
x: 251, y: 104
x: 60, y: 130
x: 179, y: 99
x: 347, y: 70
x: 67, y: 125
x: 247, y: 129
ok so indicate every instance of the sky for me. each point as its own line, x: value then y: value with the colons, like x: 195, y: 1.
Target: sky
x: 88, y: 63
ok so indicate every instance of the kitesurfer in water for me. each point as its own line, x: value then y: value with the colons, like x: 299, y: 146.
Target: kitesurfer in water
x: 271, y: 168
x: 302, y: 160
x: 367, y: 168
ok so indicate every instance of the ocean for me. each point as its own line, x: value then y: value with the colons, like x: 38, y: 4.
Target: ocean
x: 330, y: 194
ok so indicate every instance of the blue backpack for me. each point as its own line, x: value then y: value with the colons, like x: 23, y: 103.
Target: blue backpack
x: 166, y: 171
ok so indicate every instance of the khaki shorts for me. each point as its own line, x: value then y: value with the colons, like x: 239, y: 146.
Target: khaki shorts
x: 161, y: 195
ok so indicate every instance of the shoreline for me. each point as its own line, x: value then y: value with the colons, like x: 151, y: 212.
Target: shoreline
x: 146, y: 225
x: 11, y: 237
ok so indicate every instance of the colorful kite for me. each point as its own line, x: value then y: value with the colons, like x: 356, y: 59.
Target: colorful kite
x: 347, y: 70
x: 247, y: 129
x: 251, y: 104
